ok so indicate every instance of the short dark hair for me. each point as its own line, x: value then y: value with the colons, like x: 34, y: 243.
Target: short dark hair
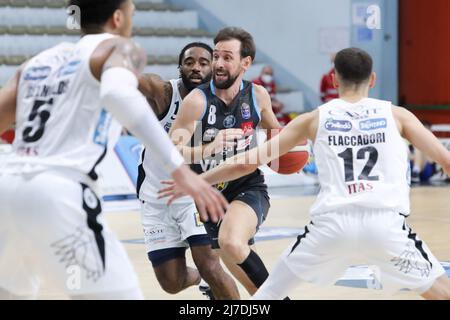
x: 193, y: 45
x: 353, y: 65
x: 96, y: 13
x: 248, y: 48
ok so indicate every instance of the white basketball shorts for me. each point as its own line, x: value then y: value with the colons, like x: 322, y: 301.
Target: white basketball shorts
x: 53, y: 230
x: 334, y: 241
x: 167, y: 227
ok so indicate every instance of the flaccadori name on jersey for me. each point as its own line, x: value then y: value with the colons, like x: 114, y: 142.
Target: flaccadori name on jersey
x: 355, y: 141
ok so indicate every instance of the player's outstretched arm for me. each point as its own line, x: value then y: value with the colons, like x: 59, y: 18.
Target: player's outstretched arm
x: 8, y: 98
x: 413, y: 130
x: 119, y: 93
x: 301, y: 128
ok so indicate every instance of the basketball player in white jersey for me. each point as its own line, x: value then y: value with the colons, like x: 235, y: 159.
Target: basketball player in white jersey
x: 61, y: 101
x: 170, y: 230
x: 360, y: 213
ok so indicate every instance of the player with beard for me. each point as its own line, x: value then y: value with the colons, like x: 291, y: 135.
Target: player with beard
x: 170, y: 230
x: 229, y: 103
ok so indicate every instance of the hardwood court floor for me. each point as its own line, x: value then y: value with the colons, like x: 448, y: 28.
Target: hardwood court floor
x: 430, y: 218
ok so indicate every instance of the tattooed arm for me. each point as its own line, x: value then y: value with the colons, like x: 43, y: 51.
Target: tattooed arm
x: 157, y: 91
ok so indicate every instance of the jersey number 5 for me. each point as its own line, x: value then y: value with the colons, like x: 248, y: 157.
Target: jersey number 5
x: 35, y: 131
x: 347, y: 155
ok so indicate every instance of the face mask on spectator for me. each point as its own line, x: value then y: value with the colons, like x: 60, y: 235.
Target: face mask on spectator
x: 266, y: 78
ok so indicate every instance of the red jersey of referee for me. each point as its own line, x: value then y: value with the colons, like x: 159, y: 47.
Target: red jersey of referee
x: 327, y: 90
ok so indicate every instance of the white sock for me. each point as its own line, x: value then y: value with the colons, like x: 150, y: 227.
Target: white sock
x: 277, y: 286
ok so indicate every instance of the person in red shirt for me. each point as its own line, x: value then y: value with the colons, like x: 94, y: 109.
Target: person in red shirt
x: 7, y: 136
x: 267, y: 80
x: 327, y: 90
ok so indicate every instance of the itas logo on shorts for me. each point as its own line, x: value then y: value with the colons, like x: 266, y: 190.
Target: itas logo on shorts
x: 245, y: 111
x: 338, y: 125
x: 373, y: 124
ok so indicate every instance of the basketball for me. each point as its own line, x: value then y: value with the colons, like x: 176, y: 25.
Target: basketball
x: 293, y: 161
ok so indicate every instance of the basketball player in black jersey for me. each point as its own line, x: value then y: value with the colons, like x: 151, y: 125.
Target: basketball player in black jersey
x: 229, y: 106
x: 169, y: 263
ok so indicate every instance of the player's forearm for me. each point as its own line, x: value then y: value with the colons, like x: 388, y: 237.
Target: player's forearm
x: 196, y: 154
x: 191, y: 154
x: 228, y: 172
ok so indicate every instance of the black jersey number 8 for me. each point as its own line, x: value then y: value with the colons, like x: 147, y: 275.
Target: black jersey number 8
x: 34, y: 132
x: 347, y: 155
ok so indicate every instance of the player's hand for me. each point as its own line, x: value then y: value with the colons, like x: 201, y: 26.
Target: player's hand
x: 210, y: 203
x: 171, y: 191
x: 225, y: 139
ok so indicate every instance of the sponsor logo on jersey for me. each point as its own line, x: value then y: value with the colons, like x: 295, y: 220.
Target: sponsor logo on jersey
x: 244, y: 143
x: 102, y: 128
x: 247, y: 127
x: 229, y: 121
x: 245, y: 111
x: 360, y: 113
x: 210, y: 134
x: 373, y: 124
x: 70, y: 68
x: 37, y: 73
x: 338, y: 125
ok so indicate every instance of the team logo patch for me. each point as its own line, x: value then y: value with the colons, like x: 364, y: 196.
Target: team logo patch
x: 76, y: 251
x: 229, y: 121
x: 245, y: 111
x: 338, y: 125
x: 210, y: 134
x: 247, y: 127
x: 221, y: 186
x: 198, y: 221
x: 373, y: 124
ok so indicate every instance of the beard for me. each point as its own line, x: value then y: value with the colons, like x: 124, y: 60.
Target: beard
x: 227, y: 83
x: 189, y: 85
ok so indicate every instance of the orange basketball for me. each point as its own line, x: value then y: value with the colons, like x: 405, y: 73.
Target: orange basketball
x: 293, y: 161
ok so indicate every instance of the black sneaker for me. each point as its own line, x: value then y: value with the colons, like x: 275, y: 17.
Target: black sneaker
x: 205, y: 289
